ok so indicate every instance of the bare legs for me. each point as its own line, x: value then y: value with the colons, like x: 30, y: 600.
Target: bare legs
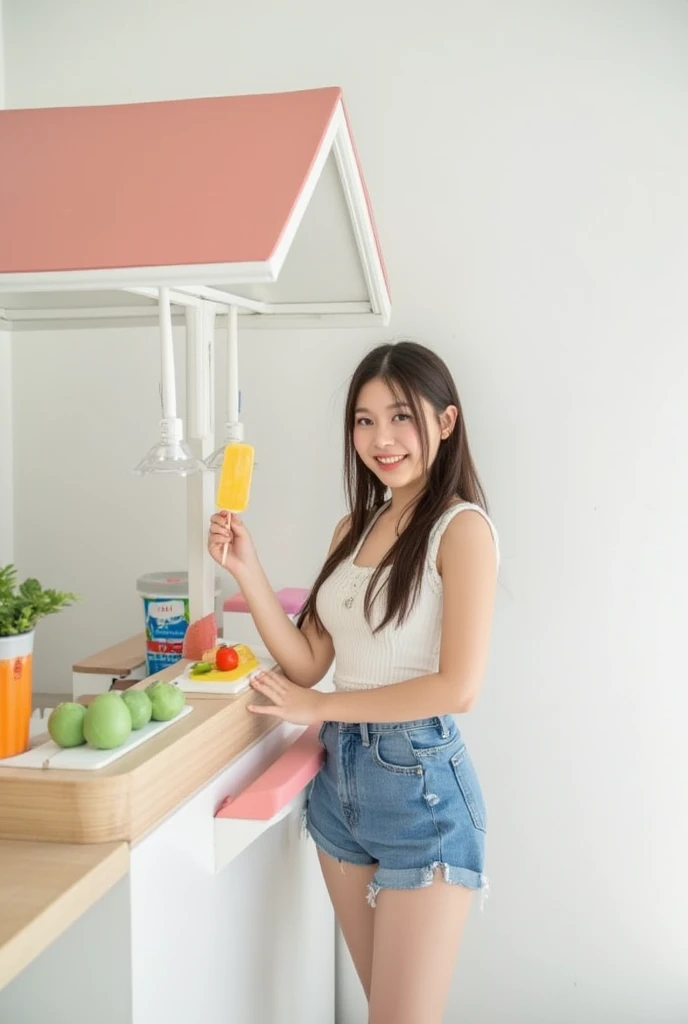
x: 347, y: 885
x: 404, y: 950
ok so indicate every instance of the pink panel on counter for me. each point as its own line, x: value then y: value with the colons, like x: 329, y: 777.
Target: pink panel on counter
x: 282, y: 781
x: 292, y: 600
x: 178, y: 182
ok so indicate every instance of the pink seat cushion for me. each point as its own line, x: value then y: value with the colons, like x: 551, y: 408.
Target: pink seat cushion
x: 292, y: 600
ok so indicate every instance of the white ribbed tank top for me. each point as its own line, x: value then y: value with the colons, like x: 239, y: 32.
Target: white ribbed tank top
x: 365, y: 660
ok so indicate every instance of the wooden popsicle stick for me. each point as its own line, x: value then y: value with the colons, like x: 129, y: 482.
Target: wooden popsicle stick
x: 226, y: 543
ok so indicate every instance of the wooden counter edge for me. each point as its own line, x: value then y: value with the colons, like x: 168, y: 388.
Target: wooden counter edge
x: 56, y: 884
x: 124, y: 800
x: 117, y: 660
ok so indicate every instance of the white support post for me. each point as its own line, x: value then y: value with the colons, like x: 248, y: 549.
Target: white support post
x: 200, y: 402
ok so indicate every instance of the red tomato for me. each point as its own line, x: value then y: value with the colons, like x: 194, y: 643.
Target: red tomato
x: 226, y: 659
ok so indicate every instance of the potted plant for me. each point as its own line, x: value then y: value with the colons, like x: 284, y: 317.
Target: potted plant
x: 21, y: 608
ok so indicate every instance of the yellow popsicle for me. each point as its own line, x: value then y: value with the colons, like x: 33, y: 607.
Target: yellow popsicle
x: 234, y: 488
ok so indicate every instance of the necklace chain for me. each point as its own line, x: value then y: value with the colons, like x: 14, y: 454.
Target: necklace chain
x: 349, y: 601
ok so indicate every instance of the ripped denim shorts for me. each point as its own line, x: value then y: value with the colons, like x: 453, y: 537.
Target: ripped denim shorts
x: 404, y: 796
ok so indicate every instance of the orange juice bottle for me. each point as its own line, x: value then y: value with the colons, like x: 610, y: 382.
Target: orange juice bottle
x: 15, y: 693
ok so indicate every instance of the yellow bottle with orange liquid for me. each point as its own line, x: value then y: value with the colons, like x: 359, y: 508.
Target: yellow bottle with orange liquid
x: 21, y: 608
x: 16, y: 654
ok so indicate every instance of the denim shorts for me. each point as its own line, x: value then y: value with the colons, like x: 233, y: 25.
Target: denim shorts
x: 404, y: 796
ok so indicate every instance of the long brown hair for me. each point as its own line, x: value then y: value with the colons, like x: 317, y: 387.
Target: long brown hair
x: 412, y: 372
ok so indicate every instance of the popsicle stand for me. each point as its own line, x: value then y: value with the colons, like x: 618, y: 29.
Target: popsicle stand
x: 245, y: 212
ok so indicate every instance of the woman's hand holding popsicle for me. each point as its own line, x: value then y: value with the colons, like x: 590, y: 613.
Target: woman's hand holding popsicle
x: 229, y: 531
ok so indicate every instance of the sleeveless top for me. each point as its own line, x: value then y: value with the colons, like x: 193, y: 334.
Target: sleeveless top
x: 365, y: 660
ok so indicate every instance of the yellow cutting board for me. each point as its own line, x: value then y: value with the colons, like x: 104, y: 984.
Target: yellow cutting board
x: 247, y: 663
x: 224, y: 682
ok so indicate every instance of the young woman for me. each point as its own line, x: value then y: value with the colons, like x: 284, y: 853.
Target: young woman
x: 403, y: 605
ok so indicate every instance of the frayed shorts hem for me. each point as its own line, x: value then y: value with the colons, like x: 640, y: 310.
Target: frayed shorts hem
x: 420, y: 878
x: 402, y: 878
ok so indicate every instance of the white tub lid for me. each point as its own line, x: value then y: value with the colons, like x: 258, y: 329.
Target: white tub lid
x: 163, y: 584
x: 166, y: 584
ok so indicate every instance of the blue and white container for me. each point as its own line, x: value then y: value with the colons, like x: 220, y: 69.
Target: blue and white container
x: 166, y: 611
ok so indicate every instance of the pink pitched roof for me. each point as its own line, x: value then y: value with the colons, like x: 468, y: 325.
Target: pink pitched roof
x: 179, y: 182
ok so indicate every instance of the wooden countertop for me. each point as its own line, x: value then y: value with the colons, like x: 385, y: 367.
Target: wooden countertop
x: 44, y: 888
x: 127, y: 798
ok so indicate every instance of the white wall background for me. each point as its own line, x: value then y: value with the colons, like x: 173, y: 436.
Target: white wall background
x: 527, y: 166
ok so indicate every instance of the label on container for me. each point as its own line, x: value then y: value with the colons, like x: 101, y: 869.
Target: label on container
x: 167, y: 620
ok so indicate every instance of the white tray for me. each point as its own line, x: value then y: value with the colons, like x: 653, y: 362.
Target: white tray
x: 85, y: 758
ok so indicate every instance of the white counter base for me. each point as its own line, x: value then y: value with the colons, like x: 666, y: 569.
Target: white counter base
x: 177, y: 942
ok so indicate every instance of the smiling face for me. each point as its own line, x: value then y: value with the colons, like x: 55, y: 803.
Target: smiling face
x: 387, y: 437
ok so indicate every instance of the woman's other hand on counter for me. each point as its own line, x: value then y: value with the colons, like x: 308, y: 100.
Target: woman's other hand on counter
x: 289, y: 702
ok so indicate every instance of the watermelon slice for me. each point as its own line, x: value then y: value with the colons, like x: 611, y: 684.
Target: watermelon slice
x: 200, y: 636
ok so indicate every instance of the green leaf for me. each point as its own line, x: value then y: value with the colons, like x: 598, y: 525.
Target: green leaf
x: 22, y: 607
